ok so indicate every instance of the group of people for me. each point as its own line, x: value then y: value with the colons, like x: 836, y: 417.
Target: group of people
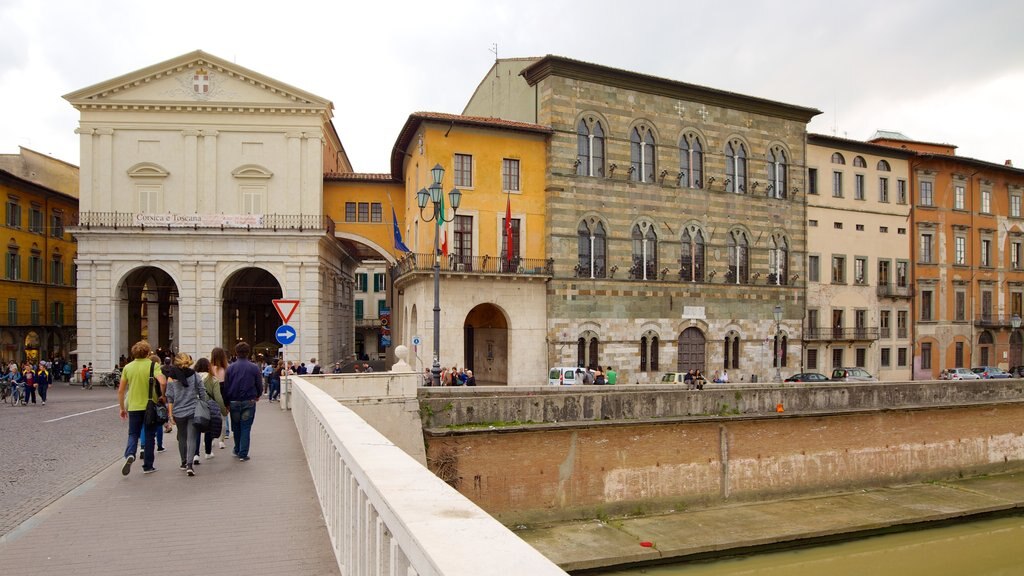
x: 453, y: 376
x: 179, y: 384
x: 596, y: 376
x: 29, y: 381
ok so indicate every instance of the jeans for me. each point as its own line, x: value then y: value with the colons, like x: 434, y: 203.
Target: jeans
x: 42, y: 390
x: 243, y: 412
x: 136, y: 418
x: 188, y: 439
x: 159, y: 436
x: 275, y: 388
x: 30, y: 392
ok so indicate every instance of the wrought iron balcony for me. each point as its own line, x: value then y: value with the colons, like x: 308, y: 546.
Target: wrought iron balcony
x: 130, y: 220
x: 456, y: 264
x: 988, y: 320
x: 862, y: 333
x: 894, y: 291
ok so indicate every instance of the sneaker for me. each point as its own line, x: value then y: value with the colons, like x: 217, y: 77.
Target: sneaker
x: 195, y: 459
x: 150, y: 471
x: 182, y: 467
x: 221, y: 444
x: 44, y: 402
x: 243, y: 458
x: 209, y: 456
x: 190, y: 472
x: 127, y: 465
x: 160, y: 449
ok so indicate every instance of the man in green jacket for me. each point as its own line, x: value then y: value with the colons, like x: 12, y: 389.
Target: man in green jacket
x: 610, y: 375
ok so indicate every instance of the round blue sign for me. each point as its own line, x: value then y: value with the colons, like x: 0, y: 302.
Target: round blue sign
x: 285, y: 335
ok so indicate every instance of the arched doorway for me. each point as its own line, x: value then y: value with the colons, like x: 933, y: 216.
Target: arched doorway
x: 248, y: 311
x: 691, y: 351
x: 985, y: 344
x: 149, y: 311
x: 486, y: 345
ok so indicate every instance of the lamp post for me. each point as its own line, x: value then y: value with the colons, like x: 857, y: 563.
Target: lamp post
x: 436, y: 197
x: 1015, y: 323
x: 777, y: 312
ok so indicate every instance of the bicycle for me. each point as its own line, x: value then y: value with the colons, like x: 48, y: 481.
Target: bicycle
x: 110, y: 379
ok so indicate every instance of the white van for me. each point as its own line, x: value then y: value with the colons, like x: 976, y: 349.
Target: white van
x: 563, y: 376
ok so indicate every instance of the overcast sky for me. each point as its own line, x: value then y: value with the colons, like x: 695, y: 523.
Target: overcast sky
x: 936, y: 70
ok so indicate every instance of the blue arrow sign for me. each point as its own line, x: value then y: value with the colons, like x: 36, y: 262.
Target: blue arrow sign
x: 285, y: 335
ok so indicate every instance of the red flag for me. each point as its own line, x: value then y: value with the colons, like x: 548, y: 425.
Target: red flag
x: 444, y: 244
x: 508, y: 229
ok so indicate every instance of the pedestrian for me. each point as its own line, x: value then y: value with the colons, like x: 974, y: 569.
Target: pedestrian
x: 428, y: 378
x: 184, y: 390
x: 42, y: 381
x: 218, y: 368
x: 242, y: 390
x: 212, y: 387
x: 470, y: 379
x: 599, y: 377
x: 134, y: 392
x: 275, y: 382
x: 161, y: 429
x: 66, y: 370
x: 367, y: 368
x: 315, y: 368
x: 28, y: 377
x: 337, y: 368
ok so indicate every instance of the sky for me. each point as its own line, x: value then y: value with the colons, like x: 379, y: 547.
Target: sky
x: 936, y: 70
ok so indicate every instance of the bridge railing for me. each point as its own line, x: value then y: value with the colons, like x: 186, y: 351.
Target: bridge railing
x: 387, y: 514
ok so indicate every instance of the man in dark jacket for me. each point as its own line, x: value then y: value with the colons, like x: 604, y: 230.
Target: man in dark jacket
x: 242, y: 388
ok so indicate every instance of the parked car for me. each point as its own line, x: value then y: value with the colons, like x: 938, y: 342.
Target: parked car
x: 959, y: 374
x: 852, y: 375
x: 563, y: 376
x: 990, y: 372
x: 808, y: 377
x: 1017, y: 372
x: 680, y: 378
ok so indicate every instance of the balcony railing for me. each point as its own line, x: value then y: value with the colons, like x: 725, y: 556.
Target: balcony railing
x: 473, y: 265
x: 987, y: 320
x: 274, y: 222
x: 28, y: 320
x: 850, y: 334
x: 894, y: 291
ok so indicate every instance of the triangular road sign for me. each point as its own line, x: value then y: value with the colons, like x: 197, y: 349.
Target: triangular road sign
x: 285, y: 309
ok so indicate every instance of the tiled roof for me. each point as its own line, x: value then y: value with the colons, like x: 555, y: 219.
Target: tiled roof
x: 358, y: 177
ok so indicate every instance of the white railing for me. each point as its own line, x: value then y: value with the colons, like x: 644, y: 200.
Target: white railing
x: 388, y: 515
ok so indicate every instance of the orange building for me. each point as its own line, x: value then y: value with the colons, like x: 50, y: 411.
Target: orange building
x: 967, y: 227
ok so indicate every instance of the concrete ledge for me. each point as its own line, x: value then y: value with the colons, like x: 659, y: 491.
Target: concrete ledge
x: 738, y: 529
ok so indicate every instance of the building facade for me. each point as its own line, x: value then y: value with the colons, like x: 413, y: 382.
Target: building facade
x: 40, y: 196
x: 201, y: 202
x: 968, y: 232
x: 859, y: 293
x: 675, y: 219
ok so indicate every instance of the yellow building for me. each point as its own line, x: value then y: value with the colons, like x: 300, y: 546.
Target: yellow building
x: 40, y: 196
x: 492, y: 297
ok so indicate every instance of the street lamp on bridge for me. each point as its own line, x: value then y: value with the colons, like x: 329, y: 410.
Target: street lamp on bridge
x: 436, y: 197
x: 777, y: 312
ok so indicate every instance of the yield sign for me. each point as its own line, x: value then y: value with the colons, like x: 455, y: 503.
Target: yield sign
x: 285, y: 309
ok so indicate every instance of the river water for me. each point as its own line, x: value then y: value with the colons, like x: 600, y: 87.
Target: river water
x: 982, y: 548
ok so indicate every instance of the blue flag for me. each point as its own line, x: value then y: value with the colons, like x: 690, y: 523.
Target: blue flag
x: 399, y: 245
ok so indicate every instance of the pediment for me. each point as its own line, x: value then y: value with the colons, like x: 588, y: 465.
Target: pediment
x: 196, y: 79
x: 147, y: 170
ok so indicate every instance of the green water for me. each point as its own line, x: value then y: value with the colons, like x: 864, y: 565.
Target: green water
x: 982, y: 548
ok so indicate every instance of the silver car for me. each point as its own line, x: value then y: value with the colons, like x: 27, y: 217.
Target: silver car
x: 852, y: 375
x: 961, y: 374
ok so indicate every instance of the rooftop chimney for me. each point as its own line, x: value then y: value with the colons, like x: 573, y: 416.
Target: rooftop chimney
x: 1009, y: 163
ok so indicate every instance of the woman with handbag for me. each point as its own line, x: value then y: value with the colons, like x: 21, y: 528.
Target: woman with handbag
x: 213, y: 392
x: 184, y: 393
x: 218, y: 368
x: 141, y: 392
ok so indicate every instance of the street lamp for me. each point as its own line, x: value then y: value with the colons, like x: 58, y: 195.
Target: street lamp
x: 777, y: 311
x: 1015, y: 323
x: 435, y: 196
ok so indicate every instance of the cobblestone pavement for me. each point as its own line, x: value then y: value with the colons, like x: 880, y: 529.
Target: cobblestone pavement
x: 47, y: 451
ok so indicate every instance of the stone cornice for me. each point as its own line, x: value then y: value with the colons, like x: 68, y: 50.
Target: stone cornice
x: 568, y: 68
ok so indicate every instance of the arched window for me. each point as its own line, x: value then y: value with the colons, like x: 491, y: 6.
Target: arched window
x: 736, y: 167
x: 837, y: 158
x: 591, y: 249
x: 778, y: 261
x: 778, y: 172
x: 586, y: 350
x: 641, y: 152
x: 649, y: 352
x: 731, y: 349
x: 883, y: 166
x: 645, y: 252
x: 589, y: 148
x: 691, y: 255
x: 779, y: 345
x: 739, y: 258
x: 858, y: 162
x: 691, y: 162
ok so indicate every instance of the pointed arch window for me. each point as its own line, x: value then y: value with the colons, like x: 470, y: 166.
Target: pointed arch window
x: 592, y: 243
x: 739, y: 258
x: 779, y: 346
x: 736, y: 167
x: 589, y: 148
x: 641, y: 152
x: 645, y: 252
x: 649, y: 352
x: 731, y: 351
x: 778, y: 172
x: 691, y: 256
x: 586, y: 350
x: 778, y: 261
x: 691, y: 162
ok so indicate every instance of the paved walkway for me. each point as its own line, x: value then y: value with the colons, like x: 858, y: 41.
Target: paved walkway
x: 256, y: 517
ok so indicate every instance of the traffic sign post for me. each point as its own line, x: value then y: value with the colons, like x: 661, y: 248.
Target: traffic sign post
x: 285, y: 335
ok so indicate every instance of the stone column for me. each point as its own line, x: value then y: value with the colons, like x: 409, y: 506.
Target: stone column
x: 85, y: 171
x: 208, y: 198
x: 190, y: 191
x: 293, y: 179
x: 104, y: 162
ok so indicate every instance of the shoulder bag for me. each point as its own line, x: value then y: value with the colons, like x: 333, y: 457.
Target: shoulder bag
x: 201, y: 418
x: 156, y: 412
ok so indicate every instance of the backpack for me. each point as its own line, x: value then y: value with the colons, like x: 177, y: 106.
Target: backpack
x: 316, y: 369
